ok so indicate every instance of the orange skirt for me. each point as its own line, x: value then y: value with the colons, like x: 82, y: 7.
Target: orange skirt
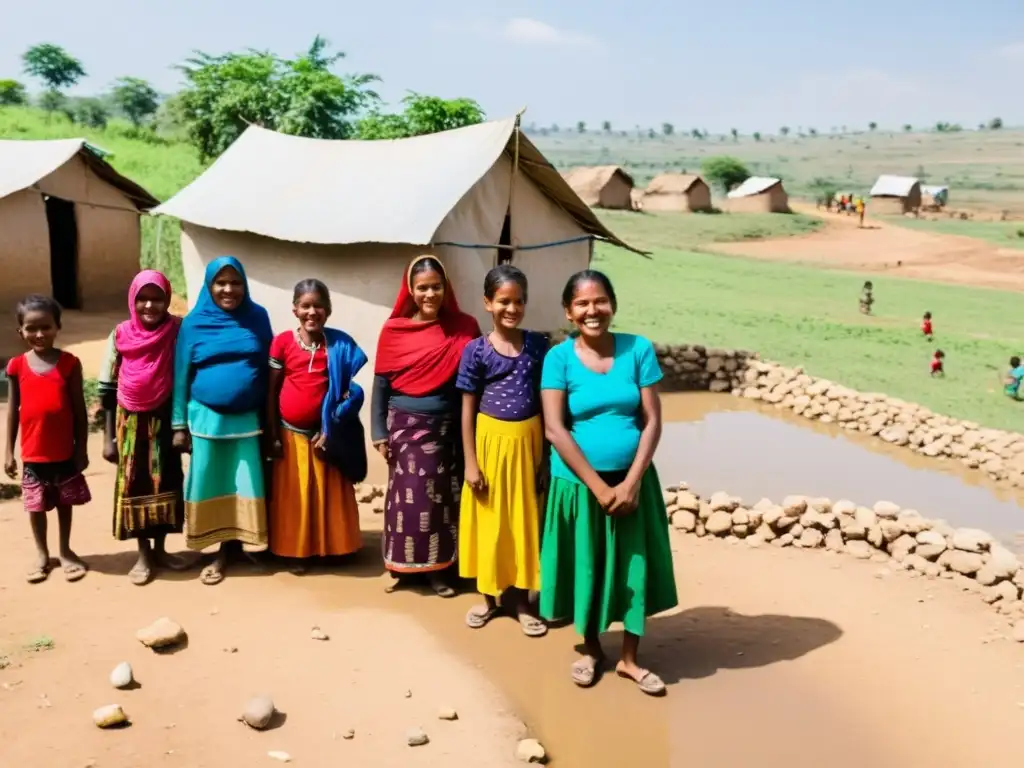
x: 313, y: 510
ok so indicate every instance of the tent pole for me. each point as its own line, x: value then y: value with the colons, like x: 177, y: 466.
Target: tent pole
x: 512, y: 176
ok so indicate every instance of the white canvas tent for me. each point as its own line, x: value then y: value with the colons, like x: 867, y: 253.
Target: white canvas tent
x: 354, y: 213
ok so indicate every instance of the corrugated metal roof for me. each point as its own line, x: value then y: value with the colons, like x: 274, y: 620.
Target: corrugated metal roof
x: 755, y: 185
x: 933, y: 190
x: 23, y: 163
x: 893, y: 186
x: 342, y: 192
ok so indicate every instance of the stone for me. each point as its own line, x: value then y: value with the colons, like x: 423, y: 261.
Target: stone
x: 684, y: 520
x: 109, y: 716
x: 686, y: 500
x: 318, y: 634
x: 891, y: 529
x: 258, y: 712
x: 162, y: 633
x: 741, y: 531
x: 1017, y: 633
x: 415, y: 737
x: 895, y: 434
x: 823, y: 521
x: 122, y: 676
x: 766, y: 533
x: 794, y: 506
x: 916, y: 563
x: 704, y: 512
x: 719, y: 523
x: 859, y: 549
x: 912, y: 522
x: 851, y: 529
x: 966, y: 563
x: 531, y: 751
x: 844, y: 507
x: 348, y: 734
x: 811, y: 538
x: 771, y: 514
x: 865, y: 516
x: 971, y: 540
x: 723, y: 502
x: 986, y: 576
x: 902, y: 546
x: 1003, y: 562
x: 797, y: 530
x: 281, y: 757
x: 874, y: 537
x: 930, y: 544
x: 1007, y: 591
x: 785, y: 539
x: 740, y: 517
x: 886, y: 510
x: 447, y: 713
x: 834, y: 540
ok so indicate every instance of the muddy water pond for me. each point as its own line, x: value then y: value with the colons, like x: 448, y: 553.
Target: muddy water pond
x: 752, y: 450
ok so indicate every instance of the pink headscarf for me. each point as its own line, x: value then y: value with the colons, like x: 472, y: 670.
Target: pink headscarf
x: 145, y: 378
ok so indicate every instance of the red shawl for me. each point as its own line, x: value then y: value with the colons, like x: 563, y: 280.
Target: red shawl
x: 418, y: 357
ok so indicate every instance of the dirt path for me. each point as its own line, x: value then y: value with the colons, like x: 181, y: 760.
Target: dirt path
x: 774, y: 658
x: 881, y: 247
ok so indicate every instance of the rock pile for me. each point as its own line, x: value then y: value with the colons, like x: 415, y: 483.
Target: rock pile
x: 999, y: 454
x: 689, y: 367
x: 885, y: 533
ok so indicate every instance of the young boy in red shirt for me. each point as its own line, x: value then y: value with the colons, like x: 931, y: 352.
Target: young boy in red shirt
x: 926, y: 325
x: 937, y: 369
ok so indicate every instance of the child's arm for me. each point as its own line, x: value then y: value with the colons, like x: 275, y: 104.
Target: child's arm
x: 273, y: 426
x: 13, y: 405
x: 77, y: 386
x: 474, y: 479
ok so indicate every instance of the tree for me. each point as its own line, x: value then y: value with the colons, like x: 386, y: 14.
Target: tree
x: 606, y: 126
x: 872, y: 125
x: 735, y: 134
x: 812, y: 131
x: 581, y: 127
x: 757, y: 135
x: 697, y: 134
x: 667, y: 129
x: 995, y: 123
x: 300, y: 96
x: 12, y: 93
x: 422, y: 115
x: 907, y: 127
x: 784, y: 130
x: 724, y: 171
x: 55, y: 67
x: 651, y: 133
x: 136, y: 98
x: 89, y: 112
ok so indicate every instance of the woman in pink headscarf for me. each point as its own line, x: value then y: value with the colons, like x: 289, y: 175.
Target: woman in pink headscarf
x: 136, y: 382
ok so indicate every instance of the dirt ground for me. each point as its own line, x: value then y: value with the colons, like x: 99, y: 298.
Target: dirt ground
x: 882, y: 247
x: 774, y: 658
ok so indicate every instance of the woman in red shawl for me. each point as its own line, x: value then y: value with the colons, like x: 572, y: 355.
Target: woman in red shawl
x: 414, y: 423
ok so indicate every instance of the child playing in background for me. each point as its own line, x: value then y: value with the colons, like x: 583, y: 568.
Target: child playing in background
x: 47, y: 403
x: 1011, y: 384
x: 866, y: 298
x: 937, y: 362
x: 926, y: 325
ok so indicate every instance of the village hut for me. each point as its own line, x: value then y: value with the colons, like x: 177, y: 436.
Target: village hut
x: 678, y: 192
x: 934, y: 198
x: 602, y: 186
x: 636, y: 199
x: 759, y: 194
x: 895, y: 195
x: 355, y: 213
x: 69, y: 225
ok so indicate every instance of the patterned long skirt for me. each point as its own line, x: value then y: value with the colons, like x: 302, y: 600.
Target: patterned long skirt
x: 421, y: 511
x: 148, y: 493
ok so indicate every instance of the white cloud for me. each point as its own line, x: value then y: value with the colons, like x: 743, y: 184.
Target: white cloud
x: 522, y: 31
x: 1011, y: 51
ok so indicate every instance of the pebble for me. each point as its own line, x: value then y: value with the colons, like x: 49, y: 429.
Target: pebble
x: 416, y: 738
x: 258, y: 712
x: 408, y: 694
x: 531, y: 751
x: 447, y: 713
x: 1017, y: 634
x: 349, y: 734
x: 161, y: 633
x: 319, y: 634
x: 109, y: 716
x: 122, y: 675
x: 276, y: 754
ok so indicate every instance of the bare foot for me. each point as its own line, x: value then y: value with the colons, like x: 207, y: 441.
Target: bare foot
x: 142, y: 572
x: 73, y: 566
x: 40, y: 568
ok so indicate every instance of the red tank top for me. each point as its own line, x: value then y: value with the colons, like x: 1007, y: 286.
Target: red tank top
x: 46, y: 421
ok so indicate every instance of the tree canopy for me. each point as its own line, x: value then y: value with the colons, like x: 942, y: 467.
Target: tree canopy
x: 300, y: 96
x: 53, y: 65
x: 136, y: 98
x: 12, y: 93
x: 422, y: 115
x: 724, y: 171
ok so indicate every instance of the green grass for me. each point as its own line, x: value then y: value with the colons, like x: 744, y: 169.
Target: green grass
x: 41, y: 643
x: 1006, y: 234
x: 650, y: 231
x: 803, y: 316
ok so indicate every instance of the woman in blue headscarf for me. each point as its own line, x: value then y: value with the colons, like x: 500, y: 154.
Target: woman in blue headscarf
x: 220, y: 388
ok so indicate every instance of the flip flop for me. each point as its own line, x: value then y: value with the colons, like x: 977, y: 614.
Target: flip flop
x: 476, y: 620
x: 584, y: 672
x: 74, y: 572
x: 211, y: 576
x: 649, y: 682
x: 37, y: 575
x: 442, y: 590
x: 532, y: 626
x: 140, y: 576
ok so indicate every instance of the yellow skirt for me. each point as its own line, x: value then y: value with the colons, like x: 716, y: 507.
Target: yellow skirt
x: 499, y: 528
x: 313, y: 510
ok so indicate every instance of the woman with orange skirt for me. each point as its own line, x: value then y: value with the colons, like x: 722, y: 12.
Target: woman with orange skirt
x: 312, y: 407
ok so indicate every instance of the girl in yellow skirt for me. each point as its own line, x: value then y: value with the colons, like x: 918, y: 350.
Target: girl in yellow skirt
x: 503, y: 441
x: 312, y: 406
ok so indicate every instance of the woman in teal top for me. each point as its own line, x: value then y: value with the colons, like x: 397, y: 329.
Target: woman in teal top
x: 605, y: 554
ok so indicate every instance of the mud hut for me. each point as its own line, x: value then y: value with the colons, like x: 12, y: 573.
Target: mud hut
x: 354, y: 213
x: 679, y: 192
x: 895, y: 195
x: 74, y: 219
x: 602, y: 186
x: 759, y: 194
x: 934, y: 198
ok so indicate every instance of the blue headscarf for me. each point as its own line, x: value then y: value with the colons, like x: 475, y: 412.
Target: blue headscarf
x: 340, y: 415
x: 228, y: 350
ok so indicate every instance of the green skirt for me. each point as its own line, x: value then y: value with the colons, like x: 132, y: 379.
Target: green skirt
x: 601, y: 569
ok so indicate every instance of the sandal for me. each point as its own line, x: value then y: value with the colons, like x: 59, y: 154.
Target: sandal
x: 38, y: 575
x: 532, y: 626
x: 477, y: 620
x: 211, y: 575
x: 648, y: 682
x: 74, y: 572
x: 140, y: 576
x: 584, y: 671
x: 441, y: 589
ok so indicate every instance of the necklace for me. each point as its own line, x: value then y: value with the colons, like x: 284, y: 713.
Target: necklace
x: 311, y: 348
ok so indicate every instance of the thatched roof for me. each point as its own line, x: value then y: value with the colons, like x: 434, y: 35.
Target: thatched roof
x: 672, y: 183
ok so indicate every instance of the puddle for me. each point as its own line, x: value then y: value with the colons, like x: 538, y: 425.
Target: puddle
x: 724, y: 443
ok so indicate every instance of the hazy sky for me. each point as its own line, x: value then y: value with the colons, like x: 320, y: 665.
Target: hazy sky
x: 752, y: 64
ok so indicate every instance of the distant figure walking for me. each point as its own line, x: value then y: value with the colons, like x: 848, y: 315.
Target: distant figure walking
x: 937, y: 363
x: 1011, y: 383
x: 866, y: 298
x: 860, y: 211
x: 926, y: 325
